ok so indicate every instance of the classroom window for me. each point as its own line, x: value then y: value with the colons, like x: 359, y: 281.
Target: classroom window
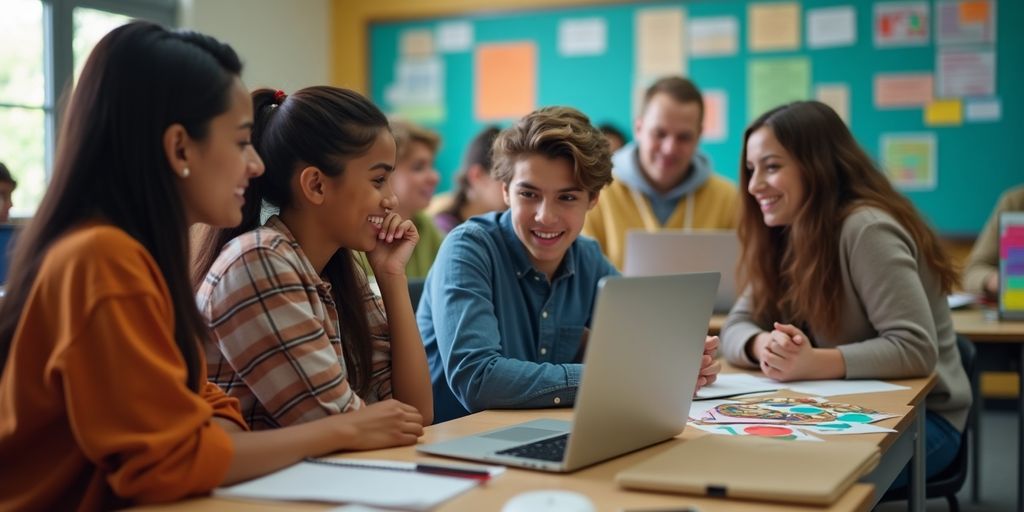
x: 43, y: 46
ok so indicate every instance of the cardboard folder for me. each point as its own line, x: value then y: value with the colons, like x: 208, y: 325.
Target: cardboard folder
x: 755, y: 468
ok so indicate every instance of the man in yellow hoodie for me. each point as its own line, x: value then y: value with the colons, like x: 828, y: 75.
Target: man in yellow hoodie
x: 661, y: 180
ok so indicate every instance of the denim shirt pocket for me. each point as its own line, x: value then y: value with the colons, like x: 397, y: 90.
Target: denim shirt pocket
x: 567, y: 343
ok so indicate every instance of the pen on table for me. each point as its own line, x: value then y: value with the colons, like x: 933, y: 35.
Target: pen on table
x: 456, y: 471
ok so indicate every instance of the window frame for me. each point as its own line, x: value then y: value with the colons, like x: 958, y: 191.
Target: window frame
x: 58, y: 55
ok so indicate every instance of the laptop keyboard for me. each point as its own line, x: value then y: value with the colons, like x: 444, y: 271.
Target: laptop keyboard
x: 551, y: 449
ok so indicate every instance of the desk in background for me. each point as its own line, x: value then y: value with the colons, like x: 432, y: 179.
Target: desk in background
x: 597, y: 482
x: 982, y: 327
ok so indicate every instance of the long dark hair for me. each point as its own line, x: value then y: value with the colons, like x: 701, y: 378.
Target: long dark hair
x: 139, y: 80
x: 803, y: 280
x: 478, y: 153
x: 316, y: 126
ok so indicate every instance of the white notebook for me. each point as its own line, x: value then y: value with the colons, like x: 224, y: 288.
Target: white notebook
x: 335, y: 483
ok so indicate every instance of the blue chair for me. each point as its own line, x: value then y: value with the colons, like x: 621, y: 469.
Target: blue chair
x: 7, y: 232
x: 949, y: 481
x: 415, y: 291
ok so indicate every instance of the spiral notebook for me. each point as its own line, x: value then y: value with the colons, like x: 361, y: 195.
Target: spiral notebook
x: 379, y: 483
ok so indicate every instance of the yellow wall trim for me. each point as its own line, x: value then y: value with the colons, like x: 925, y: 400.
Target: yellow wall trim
x: 350, y: 21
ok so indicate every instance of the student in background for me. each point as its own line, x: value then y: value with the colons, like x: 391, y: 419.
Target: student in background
x: 981, y: 276
x: 661, y: 180
x: 616, y: 139
x: 297, y: 333
x: 104, y: 401
x: 843, y: 278
x: 414, y: 183
x: 477, y: 191
x: 614, y: 136
x: 505, y: 309
x: 7, y: 186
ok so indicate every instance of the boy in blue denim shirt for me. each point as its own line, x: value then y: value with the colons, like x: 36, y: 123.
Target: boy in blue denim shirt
x: 506, y: 306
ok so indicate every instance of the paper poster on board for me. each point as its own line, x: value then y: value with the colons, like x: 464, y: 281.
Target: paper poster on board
x: 909, y: 160
x: 901, y: 24
x: 965, y: 22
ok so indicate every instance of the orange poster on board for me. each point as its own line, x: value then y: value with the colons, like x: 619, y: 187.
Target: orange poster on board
x: 506, y: 80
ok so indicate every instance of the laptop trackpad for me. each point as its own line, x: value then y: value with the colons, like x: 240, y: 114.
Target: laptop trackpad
x: 521, y: 434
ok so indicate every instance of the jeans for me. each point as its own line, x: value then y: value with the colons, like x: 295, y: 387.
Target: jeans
x: 941, y: 442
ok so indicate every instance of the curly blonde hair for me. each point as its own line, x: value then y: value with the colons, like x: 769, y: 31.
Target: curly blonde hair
x: 556, y: 132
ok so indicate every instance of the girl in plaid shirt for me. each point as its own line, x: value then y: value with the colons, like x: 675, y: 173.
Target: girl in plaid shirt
x: 297, y: 333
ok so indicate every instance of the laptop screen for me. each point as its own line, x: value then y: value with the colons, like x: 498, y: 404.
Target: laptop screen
x: 1011, y: 265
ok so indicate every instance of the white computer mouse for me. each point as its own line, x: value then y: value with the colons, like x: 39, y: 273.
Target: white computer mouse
x: 549, y: 501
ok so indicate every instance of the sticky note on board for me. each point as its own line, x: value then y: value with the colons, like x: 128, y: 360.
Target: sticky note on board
x: 506, y: 80
x: 774, y: 26
x: 944, y: 113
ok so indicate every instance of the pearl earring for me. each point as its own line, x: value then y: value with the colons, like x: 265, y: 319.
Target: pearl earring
x: 185, y: 172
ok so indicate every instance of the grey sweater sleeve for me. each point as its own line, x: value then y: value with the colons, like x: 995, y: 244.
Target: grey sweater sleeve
x: 881, y: 260
x: 738, y: 329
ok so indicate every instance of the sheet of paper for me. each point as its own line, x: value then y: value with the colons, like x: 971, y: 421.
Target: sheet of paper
x: 844, y: 428
x: 959, y: 299
x: 418, y: 91
x: 774, y: 26
x: 506, y: 80
x: 307, y: 481
x: 659, y: 43
x: 713, y: 36
x: 734, y: 384
x: 582, y: 37
x: 965, y: 22
x: 966, y: 73
x: 454, y: 36
x: 901, y: 24
x: 897, y: 90
x: 782, y: 432
x: 909, y: 161
x: 982, y: 110
x: 416, y: 43
x: 716, y: 115
x: 776, y: 81
x: 842, y: 387
x: 836, y: 96
x: 829, y: 27
x: 944, y: 113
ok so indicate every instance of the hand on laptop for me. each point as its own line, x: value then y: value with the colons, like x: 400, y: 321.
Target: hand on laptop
x: 709, y: 365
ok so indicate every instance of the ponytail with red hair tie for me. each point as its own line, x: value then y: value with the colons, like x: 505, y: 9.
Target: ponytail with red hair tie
x: 279, y: 96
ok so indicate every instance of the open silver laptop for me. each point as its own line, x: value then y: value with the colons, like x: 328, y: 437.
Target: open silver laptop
x: 641, y: 365
x: 678, y: 251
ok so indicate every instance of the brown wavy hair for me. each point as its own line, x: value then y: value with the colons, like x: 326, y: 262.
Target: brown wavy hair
x: 801, y: 283
x: 556, y: 132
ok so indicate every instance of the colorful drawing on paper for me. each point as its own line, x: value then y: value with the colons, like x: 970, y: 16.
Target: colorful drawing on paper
x: 965, y: 22
x: 792, y: 411
x: 779, y: 432
x: 909, y: 161
x: 901, y: 24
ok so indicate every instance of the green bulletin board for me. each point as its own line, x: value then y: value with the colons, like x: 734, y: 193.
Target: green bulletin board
x: 975, y: 159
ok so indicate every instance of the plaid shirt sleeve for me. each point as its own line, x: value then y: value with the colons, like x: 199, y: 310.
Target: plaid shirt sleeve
x: 273, y: 328
x: 380, y: 339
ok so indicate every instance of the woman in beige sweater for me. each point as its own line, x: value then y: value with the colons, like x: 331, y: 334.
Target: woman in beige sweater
x: 842, y: 277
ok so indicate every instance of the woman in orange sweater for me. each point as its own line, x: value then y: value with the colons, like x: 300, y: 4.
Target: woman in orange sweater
x: 103, y: 394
